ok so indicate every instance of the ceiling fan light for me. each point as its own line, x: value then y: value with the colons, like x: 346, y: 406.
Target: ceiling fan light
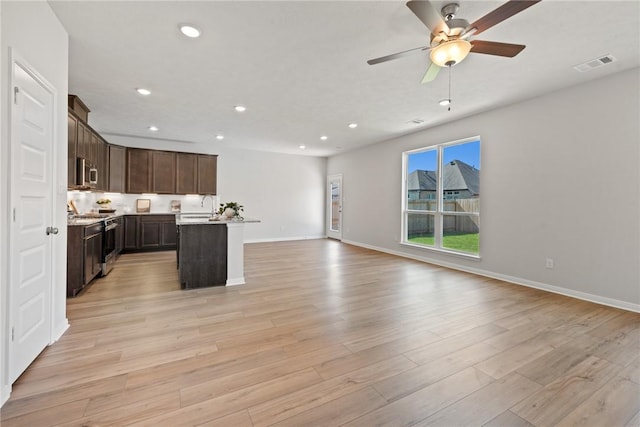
x: 450, y: 52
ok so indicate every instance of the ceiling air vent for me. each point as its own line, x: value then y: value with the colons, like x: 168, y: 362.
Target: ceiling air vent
x: 595, y: 63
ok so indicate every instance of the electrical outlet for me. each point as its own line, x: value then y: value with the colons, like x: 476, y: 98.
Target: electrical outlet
x: 549, y: 263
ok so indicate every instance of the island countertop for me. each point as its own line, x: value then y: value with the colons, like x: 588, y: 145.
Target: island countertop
x: 191, y: 219
x: 210, y: 256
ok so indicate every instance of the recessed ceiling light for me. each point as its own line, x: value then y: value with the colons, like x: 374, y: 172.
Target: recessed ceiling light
x: 444, y: 102
x: 220, y: 137
x: 353, y: 125
x: 189, y: 30
x: 302, y: 147
x: 153, y: 128
x: 324, y: 137
x: 143, y: 91
x: 240, y: 108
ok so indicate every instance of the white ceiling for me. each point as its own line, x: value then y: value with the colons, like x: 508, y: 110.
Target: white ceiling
x: 300, y: 67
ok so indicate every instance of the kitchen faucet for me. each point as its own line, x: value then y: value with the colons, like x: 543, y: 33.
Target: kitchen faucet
x: 213, y: 203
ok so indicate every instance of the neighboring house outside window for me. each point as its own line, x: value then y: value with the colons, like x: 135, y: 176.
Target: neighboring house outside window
x: 451, y: 221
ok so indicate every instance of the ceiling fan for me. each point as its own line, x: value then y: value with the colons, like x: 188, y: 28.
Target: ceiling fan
x: 450, y: 42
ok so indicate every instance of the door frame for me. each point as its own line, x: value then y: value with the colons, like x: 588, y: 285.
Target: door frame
x: 5, y: 388
x: 16, y: 59
x: 334, y: 234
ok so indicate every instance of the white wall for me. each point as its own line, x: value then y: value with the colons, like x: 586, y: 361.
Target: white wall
x: 560, y: 179
x: 37, y: 36
x: 285, y: 192
x: 5, y: 389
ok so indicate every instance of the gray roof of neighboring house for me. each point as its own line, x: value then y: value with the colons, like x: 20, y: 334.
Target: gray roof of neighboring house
x: 456, y: 175
x: 422, y: 180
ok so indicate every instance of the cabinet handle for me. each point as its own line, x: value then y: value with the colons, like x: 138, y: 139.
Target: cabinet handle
x: 52, y: 230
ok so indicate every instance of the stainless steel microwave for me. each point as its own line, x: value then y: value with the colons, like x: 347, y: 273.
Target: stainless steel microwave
x: 87, y: 174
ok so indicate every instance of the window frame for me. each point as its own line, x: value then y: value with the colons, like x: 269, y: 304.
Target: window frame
x: 439, y: 213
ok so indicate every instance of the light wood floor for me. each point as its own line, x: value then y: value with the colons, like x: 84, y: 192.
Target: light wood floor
x: 327, y: 334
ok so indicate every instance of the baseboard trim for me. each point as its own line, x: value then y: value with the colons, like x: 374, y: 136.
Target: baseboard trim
x: 58, y: 334
x: 5, y: 390
x: 624, y: 305
x: 5, y: 393
x: 235, y: 281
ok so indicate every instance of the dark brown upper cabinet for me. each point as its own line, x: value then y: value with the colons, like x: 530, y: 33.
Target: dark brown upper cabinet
x: 94, y: 149
x: 72, y: 141
x: 163, y: 172
x: 207, y: 174
x: 80, y: 140
x: 138, y: 166
x: 102, y: 163
x: 78, y: 107
x: 83, y: 142
x: 117, y: 170
x: 186, y: 173
x: 135, y: 170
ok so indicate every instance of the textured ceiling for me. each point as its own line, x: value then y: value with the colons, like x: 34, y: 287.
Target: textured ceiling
x: 300, y: 67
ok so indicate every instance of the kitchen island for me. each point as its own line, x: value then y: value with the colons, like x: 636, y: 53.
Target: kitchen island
x: 210, y: 253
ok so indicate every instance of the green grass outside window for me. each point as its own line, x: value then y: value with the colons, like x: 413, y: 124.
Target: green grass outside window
x: 464, y: 242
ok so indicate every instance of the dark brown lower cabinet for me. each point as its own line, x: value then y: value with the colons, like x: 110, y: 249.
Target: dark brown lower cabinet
x: 131, y: 233
x: 169, y: 233
x: 202, y: 258
x: 119, y: 235
x: 84, y: 256
x: 92, y: 255
x: 150, y: 232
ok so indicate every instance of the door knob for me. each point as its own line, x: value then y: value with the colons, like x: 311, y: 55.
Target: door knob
x: 52, y: 230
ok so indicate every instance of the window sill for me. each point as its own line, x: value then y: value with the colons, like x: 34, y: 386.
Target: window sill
x: 444, y: 251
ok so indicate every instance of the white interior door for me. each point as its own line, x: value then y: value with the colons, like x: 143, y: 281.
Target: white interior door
x: 31, y: 204
x: 334, y: 206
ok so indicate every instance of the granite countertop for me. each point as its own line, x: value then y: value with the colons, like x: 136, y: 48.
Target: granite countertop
x: 192, y: 219
x: 181, y: 218
x: 83, y: 221
x: 89, y: 219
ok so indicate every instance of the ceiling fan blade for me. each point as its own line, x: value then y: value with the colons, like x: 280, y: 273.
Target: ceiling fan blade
x: 498, y: 15
x: 396, y: 55
x: 431, y: 73
x: 496, y: 48
x: 429, y: 16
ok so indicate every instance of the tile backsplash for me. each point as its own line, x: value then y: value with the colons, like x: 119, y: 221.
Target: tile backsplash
x: 126, y: 203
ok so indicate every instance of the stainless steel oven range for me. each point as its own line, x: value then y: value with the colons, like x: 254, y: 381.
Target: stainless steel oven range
x: 109, y: 244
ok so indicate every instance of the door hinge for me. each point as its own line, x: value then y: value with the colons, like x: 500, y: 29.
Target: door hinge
x: 16, y: 90
x: 13, y: 334
x: 14, y: 214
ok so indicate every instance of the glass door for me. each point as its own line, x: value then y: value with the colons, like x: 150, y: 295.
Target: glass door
x: 334, y: 206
